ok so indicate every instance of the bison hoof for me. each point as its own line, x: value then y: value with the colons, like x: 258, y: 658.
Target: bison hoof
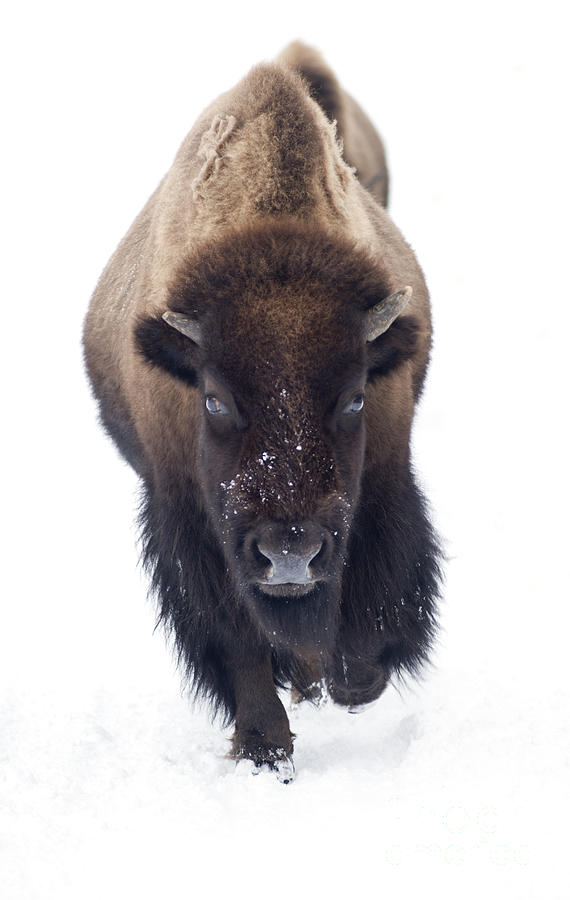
x: 355, y: 696
x: 283, y: 769
x: 265, y: 756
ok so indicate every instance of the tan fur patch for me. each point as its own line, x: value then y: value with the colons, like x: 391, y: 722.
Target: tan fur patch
x: 212, y: 142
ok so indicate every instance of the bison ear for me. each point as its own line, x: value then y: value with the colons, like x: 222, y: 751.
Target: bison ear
x: 164, y: 342
x: 381, y: 316
x: 393, y: 347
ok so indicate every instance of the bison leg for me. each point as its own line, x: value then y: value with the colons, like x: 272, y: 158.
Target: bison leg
x: 262, y: 731
x: 310, y: 685
x: 355, y: 680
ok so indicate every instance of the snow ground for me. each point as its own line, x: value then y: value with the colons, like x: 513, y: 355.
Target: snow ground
x: 110, y: 785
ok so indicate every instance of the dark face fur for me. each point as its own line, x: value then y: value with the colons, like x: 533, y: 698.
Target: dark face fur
x: 281, y: 449
x: 282, y: 368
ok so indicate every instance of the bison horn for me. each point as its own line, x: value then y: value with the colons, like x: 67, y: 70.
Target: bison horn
x: 184, y: 324
x: 381, y: 316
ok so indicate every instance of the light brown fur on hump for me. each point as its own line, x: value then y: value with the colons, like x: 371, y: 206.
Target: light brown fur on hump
x: 361, y: 145
x: 280, y: 156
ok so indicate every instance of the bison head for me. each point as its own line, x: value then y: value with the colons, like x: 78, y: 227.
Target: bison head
x: 281, y: 330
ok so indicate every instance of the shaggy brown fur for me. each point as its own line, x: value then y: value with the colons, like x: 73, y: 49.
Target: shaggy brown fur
x: 362, y: 148
x: 255, y: 451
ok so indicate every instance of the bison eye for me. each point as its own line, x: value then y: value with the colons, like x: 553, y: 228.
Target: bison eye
x: 355, y: 405
x: 215, y: 407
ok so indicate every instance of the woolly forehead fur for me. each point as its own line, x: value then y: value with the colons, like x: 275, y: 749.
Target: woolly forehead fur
x: 289, y: 292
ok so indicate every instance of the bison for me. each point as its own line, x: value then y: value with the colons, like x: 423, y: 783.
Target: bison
x: 257, y: 345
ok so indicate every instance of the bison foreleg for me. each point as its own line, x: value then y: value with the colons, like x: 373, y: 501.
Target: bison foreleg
x: 308, y: 683
x: 356, y: 679
x: 262, y: 731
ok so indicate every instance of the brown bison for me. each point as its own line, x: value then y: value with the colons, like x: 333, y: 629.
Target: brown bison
x: 257, y: 345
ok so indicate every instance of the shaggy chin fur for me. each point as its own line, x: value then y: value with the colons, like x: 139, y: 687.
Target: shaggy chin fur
x: 303, y: 625
x: 385, y: 623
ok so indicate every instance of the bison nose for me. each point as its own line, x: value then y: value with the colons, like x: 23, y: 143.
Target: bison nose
x: 289, y: 567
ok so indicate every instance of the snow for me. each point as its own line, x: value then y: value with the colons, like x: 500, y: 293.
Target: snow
x: 111, y: 784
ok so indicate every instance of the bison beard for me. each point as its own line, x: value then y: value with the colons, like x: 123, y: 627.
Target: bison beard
x: 261, y: 378
x: 359, y: 644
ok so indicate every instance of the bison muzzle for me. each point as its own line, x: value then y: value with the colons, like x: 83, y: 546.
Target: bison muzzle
x: 257, y: 345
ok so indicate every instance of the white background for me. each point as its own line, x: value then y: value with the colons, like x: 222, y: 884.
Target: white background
x: 110, y: 784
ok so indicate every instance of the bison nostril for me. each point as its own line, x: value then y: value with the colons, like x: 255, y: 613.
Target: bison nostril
x: 319, y: 556
x: 314, y: 553
x: 260, y: 558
